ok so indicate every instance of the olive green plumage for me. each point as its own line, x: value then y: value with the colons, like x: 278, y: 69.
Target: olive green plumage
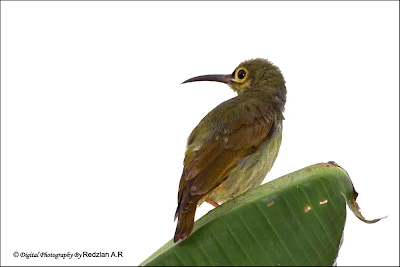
x: 235, y: 145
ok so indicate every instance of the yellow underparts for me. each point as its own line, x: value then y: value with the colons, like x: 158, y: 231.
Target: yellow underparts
x: 250, y: 171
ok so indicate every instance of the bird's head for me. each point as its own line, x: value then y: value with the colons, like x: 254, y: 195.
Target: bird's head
x: 253, y: 74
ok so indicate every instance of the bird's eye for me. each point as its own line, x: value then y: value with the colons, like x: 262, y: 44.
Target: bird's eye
x: 241, y: 74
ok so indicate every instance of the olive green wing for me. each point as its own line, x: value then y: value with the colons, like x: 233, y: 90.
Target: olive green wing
x: 228, y: 133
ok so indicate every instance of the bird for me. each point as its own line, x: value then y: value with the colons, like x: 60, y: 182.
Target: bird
x: 235, y: 145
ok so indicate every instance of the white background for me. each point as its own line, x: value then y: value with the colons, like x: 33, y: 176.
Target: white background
x: 94, y: 120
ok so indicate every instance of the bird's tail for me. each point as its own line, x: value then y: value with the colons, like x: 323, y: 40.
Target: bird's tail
x: 185, y: 224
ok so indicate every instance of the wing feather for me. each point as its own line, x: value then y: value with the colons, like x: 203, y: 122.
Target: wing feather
x: 227, y: 134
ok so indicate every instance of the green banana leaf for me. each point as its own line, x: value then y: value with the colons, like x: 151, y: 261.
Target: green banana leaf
x: 297, y: 219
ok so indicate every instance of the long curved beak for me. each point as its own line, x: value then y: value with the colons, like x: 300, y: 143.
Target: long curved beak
x: 222, y: 78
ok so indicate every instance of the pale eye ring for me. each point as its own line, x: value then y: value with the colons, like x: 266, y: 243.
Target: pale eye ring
x: 241, y: 74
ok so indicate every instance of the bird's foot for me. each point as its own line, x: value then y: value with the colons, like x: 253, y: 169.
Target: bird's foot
x: 212, y: 202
